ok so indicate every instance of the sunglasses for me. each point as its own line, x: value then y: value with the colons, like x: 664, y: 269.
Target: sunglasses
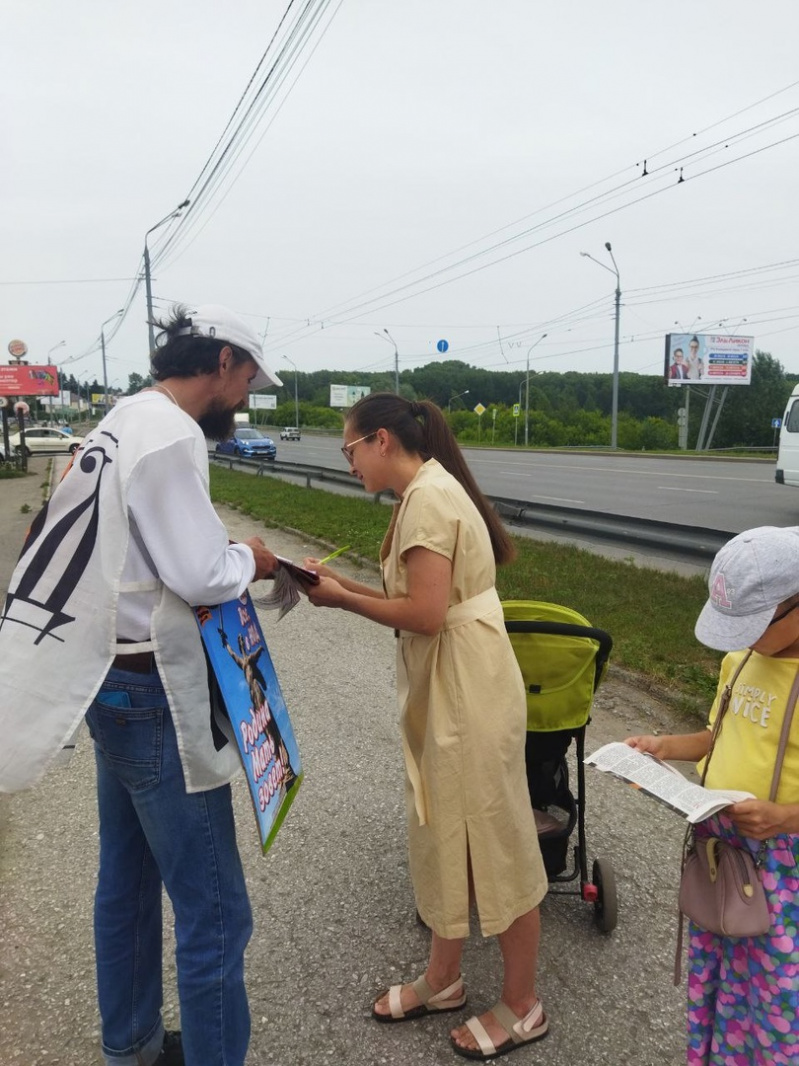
x: 346, y: 450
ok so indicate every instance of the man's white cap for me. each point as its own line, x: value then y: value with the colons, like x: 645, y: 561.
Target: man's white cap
x: 751, y: 575
x: 222, y: 324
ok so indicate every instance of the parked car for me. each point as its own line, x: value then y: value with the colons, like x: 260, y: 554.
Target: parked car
x: 42, y: 439
x: 290, y: 433
x: 249, y: 442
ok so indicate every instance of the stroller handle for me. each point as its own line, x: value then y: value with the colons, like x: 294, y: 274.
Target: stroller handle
x: 569, y: 629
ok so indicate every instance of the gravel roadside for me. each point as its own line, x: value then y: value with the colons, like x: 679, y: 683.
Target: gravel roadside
x: 332, y: 901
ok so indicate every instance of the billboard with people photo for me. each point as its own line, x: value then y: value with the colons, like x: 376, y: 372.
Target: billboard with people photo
x: 709, y: 359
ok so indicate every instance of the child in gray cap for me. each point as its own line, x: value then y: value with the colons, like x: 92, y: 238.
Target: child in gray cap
x: 743, y: 992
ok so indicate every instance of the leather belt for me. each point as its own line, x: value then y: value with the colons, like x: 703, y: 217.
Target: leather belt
x: 140, y: 662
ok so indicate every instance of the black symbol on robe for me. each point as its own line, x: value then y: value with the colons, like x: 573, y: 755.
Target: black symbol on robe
x: 39, y: 599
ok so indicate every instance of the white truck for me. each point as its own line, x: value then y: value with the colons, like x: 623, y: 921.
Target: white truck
x: 787, y: 472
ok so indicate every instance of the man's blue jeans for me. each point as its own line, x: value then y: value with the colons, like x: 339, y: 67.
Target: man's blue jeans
x: 152, y: 832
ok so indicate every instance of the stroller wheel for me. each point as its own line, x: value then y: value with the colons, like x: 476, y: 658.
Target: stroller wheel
x: 606, y: 907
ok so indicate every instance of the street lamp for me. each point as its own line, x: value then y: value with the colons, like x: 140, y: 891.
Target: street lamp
x: 296, y: 401
x: 60, y: 390
x: 116, y: 314
x: 456, y: 397
x: 391, y: 340
x: 614, y: 406
x: 527, y: 392
x: 148, y: 289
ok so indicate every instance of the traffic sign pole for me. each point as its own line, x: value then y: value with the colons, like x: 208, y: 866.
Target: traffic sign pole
x: 479, y: 410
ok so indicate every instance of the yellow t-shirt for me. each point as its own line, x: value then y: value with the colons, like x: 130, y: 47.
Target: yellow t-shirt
x: 746, y: 750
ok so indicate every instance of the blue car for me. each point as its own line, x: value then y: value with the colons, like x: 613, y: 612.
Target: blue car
x: 249, y: 443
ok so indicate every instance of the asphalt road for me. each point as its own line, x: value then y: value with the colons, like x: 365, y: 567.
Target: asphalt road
x: 334, y: 912
x: 729, y: 495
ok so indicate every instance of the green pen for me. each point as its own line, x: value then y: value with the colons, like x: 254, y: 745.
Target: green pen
x: 334, y: 555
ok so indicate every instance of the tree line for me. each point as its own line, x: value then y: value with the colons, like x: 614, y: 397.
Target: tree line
x: 565, y: 409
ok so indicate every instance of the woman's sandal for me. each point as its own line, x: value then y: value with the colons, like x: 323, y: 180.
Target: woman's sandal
x: 451, y: 998
x: 533, y: 1026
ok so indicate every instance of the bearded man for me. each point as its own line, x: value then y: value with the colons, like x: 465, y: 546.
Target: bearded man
x: 98, y: 621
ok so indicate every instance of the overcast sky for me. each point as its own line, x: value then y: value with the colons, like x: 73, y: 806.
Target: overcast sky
x: 423, y: 140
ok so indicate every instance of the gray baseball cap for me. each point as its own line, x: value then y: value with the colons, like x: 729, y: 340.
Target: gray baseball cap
x: 751, y: 575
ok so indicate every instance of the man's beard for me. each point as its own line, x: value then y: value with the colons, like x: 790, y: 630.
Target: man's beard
x: 218, y: 422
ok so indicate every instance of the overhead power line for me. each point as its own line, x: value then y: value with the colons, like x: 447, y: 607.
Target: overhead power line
x: 260, y: 103
x: 290, y: 39
x: 664, y: 178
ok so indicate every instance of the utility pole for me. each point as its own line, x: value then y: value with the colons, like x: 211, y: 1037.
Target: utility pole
x: 147, y: 283
x: 527, y: 392
x: 396, y: 356
x: 105, y: 371
x: 614, y: 405
x: 296, y: 400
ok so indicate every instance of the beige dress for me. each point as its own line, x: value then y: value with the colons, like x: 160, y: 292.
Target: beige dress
x: 463, y: 720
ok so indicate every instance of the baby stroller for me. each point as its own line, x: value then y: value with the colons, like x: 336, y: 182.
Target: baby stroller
x: 562, y: 658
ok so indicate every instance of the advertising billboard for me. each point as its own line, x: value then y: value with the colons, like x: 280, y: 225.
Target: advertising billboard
x: 28, y: 381
x: 261, y: 402
x: 708, y: 359
x: 347, y: 395
x: 61, y: 399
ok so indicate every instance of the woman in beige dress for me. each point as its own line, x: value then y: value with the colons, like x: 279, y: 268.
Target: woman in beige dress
x: 463, y: 717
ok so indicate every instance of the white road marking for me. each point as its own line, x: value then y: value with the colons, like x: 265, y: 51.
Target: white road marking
x: 678, y: 488
x: 559, y: 499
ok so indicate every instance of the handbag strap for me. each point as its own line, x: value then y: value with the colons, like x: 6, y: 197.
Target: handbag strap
x: 724, y: 703
x: 784, y: 735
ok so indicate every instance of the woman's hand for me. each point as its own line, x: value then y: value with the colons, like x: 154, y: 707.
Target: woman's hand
x: 673, y: 747
x: 328, y: 593
x: 323, y: 571
x: 760, y: 819
x: 651, y: 745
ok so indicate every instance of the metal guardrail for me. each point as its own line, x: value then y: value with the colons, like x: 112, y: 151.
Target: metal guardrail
x: 298, y: 470
x: 687, y: 542
x: 694, y: 543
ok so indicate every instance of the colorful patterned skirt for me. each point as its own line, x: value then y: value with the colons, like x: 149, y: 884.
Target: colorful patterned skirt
x: 743, y: 992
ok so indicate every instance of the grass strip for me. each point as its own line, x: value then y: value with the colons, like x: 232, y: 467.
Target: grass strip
x: 649, y: 613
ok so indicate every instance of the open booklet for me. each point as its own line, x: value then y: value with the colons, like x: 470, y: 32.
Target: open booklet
x: 662, y: 781
x: 290, y: 580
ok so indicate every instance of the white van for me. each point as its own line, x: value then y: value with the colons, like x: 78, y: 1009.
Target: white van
x: 787, y: 472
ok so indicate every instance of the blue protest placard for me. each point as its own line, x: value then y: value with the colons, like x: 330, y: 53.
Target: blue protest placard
x: 250, y: 690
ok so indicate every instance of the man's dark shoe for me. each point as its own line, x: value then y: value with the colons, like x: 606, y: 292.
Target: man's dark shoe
x: 171, y: 1053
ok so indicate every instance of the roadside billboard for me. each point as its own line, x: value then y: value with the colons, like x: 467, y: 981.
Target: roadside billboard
x: 708, y: 359
x: 347, y: 395
x: 261, y: 402
x: 61, y: 399
x: 28, y: 381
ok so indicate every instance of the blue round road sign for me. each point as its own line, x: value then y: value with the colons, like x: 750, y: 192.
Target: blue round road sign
x: 442, y: 346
